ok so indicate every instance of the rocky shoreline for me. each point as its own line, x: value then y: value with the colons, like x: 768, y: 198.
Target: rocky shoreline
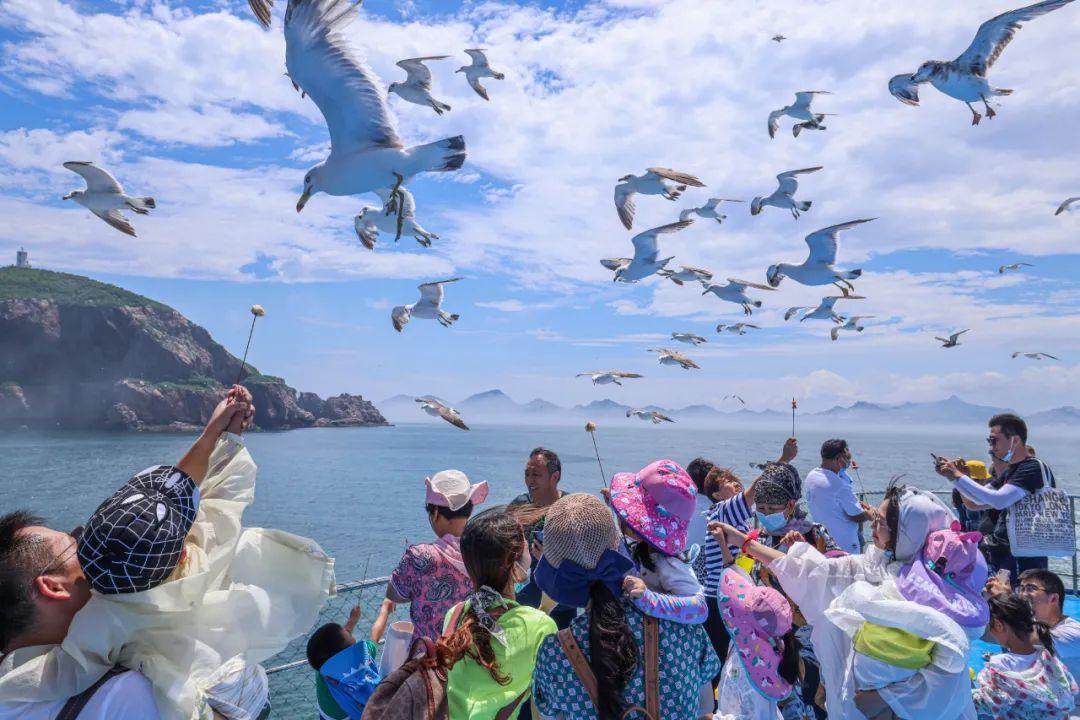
x: 79, y: 354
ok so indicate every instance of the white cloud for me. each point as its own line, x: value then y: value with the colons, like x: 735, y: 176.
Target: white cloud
x: 508, y: 306
x: 209, y: 126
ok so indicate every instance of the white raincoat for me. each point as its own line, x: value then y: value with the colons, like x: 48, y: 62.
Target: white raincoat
x: 239, y: 597
x: 817, y: 585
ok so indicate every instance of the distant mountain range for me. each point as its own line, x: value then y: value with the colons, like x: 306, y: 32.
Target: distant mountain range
x: 497, y: 406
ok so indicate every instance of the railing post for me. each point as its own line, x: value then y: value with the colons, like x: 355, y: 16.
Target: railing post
x: 1072, y: 511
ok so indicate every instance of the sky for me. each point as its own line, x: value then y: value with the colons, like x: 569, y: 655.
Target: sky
x: 188, y: 102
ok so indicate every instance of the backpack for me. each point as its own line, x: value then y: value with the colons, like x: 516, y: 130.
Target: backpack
x: 417, y: 689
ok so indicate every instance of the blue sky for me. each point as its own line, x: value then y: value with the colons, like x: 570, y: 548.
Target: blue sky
x: 187, y: 102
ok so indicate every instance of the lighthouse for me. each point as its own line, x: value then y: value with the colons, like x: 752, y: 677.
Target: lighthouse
x: 22, y: 258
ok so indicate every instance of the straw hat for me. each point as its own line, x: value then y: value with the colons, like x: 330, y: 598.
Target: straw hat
x: 579, y: 528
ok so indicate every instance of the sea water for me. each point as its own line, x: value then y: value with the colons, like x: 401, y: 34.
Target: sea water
x: 360, y: 491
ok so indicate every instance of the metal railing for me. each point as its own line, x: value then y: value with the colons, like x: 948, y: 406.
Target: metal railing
x: 292, y: 681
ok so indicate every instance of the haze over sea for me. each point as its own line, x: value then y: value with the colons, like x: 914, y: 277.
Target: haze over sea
x: 360, y: 491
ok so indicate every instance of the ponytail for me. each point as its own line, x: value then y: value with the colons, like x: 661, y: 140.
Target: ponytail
x: 789, y: 659
x: 472, y: 639
x: 1045, y: 638
x: 613, y: 651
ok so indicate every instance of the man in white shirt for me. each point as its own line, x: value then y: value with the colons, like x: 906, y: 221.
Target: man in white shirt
x: 831, y: 500
x: 43, y: 586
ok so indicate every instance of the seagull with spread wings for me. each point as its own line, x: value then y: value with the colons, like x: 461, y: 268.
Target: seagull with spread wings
x: 434, y: 407
x: 710, y: 210
x: 665, y: 182
x: 366, y: 153
x: 734, y: 397
x: 105, y: 197
x: 373, y: 220
x: 686, y: 274
x: 417, y: 86
x: 784, y: 195
x: 734, y: 291
x: 428, y: 307
x: 799, y: 110
x: 655, y: 416
x: 672, y: 357
x: 965, y: 77
x: 951, y: 341
x: 818, y: 268
x: 852, y: 323
x: 479, y: 69
x: 646, y: 260
x: 825, y: 311
x: 687, y: 338
x: 778, y: 38
x: 608, y: 377
x: 1035, y: 355
x: 736, y: 328
x: 1002, y: 269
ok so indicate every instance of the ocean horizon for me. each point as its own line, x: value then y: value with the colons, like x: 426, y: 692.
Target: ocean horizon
x: 359, y: 492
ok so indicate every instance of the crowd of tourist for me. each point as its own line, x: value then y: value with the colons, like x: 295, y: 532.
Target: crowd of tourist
x: 672, y: 593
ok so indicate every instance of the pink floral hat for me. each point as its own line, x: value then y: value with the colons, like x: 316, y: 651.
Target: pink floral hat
x: 657, y: 503
x: 756, y: 617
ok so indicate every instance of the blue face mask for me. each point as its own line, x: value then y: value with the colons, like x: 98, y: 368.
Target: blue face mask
x: 1009, y: 455
x: 773, y: 522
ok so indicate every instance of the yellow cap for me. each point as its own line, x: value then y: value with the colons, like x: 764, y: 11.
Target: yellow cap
x: 977, y: 470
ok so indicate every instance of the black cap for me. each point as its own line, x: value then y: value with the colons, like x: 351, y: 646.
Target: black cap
x: 134, y: 540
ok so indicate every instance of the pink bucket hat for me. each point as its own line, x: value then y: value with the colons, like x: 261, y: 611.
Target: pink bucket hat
x: 948, y: 576
x: 452, y: 489
x: 657, y: 503
x: 755, y: 616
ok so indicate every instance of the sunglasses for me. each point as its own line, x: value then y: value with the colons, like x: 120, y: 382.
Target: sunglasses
x: 58, y: 561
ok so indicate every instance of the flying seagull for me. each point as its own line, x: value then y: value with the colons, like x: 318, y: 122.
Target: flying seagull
x: 614, y: 264
x: 656, y: 416
x: 417, y: 86
x: 366, y: 153
x: 951, y: 341
x: 435, y: 408
x: 428, y: 307
x: 685, y: 275
x: 737, y: 328
x: 1035, y: 355
x: 735, y: 291
x: 1013, y: 266
x: 791, y: 311
x: 709, y: 210
x: 601, y: 377
x: 671, y: 357
x: 965, y: 77
x: 373, y: 220
x: 735, y: 397
x: 784, y: 195
x: 479, y: 69
x: 646, y: 259
x: 105, y: 197
x: 667, y: 183
x: 824, y: 310
x: 799, y: 110
x: 778, y: 38
x: 852, y: 323
x: 1067, y: 205
x: 688, y: 338
x: 818, y: 268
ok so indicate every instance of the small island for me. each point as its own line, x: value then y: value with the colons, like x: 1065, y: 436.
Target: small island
x: 80, y: 354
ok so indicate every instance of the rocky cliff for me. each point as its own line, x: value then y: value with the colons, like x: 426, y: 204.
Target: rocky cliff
x: 77, y: 353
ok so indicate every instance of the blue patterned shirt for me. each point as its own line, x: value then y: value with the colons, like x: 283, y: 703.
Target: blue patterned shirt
x: 687, y: 661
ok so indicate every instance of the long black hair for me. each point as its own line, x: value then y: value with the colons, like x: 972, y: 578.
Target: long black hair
x: 789, y: 659
x: 613, y: 651
x: 1017, y: 614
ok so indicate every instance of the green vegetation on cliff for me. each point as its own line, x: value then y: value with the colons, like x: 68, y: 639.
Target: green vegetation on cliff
x: 64, y: 289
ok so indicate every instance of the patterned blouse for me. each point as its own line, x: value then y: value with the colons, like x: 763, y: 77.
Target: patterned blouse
x: 432, y: 578
x: 687, y: 661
